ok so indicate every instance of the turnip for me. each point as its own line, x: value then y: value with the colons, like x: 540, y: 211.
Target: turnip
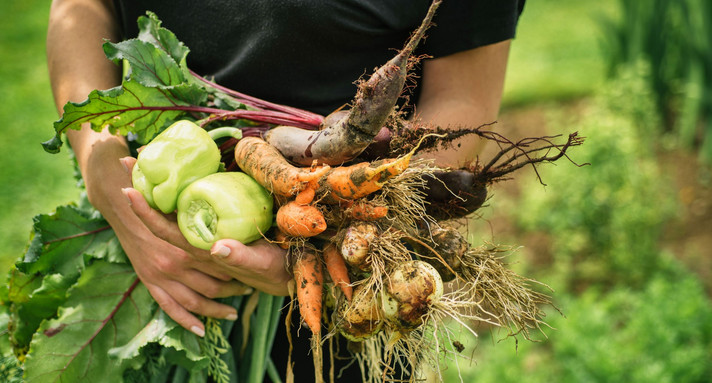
x: 361, y: 318
x: 443, y: 247
x: 355, y: 247
x: 345, y: 135
x: 410, y: 290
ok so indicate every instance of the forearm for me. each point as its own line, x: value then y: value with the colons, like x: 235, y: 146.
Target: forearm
x: 463, y: 90
x: 75, y: 58
x: 77, y: 65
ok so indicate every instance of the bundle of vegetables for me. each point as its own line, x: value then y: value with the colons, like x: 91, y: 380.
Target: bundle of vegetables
x: 370, y: 241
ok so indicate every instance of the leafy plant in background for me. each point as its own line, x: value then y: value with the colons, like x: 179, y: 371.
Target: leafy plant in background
x: 604, y: 220
x: 674, y: 37
x: 644, y: 317
x: 661, y: 333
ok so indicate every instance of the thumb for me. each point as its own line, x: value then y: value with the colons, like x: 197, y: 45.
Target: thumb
x: 228, y: 251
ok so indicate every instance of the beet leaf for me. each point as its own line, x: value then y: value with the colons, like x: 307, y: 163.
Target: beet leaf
x: 104, y: 309
x: 63, y: 239
x: 161, y: 329
x: 63, y: 243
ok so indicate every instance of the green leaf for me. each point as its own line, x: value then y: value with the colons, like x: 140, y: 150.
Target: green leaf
x: 166, y: 332
x: 63, y: 239
x: 150, y: 65
x: 160, y: 84
x: 105, y: 308
x: 158, y: 59
x: 150, y: 31
x: 130, y: 107
x: 34, y: 300
x: 63, y: 243
x: 193, y: 92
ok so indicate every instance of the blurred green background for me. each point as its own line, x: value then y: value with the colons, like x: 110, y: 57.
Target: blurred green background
x: 625, y: 243
x: 33, y: 181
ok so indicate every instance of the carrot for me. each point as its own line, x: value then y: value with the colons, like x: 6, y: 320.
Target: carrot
x: 309, y: 278
x: 342, y: 139
x: 366, y: 211
x: 268, y: 167
x: 300, y: 220
x: 336, y: 267
x: 305, y: 196
x: 345, y: 183
x: 281, y: 239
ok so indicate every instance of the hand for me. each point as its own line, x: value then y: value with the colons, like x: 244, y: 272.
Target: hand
x: 181, y: 284
x: 259, y: 264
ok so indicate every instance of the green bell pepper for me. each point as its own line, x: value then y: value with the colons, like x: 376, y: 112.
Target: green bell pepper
x: 179, y: 155
x: 224, y: 205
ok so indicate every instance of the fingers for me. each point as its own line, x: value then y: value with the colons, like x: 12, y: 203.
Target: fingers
x: 167, y: 229
x: 176, y: 274
x: 212, y: 288
x: 162, y: 227
x: 180, y: 309
x: 128, y: 163
x: 260, y: 264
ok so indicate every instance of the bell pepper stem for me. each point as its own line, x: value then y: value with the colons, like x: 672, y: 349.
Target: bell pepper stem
x: 226, y: 131
x: 200, y: 222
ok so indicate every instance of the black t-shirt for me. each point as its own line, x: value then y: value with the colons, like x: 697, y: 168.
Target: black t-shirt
x: 309, y: 53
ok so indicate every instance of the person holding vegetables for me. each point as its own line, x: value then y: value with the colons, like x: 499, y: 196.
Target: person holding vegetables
x: 305, y: 54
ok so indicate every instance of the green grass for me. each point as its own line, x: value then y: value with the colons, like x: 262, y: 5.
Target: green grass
x: 556, y: 54
x: 32, y: 181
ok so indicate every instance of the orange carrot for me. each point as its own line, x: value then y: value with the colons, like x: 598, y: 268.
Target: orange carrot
x: 366, y: 211
x: 300, y: 220
x: 309, y: 280
x: 336, y: 267
x: 356, y: 181
x: 268, y: 167
x: 281, y: 239
x: 305, y: 196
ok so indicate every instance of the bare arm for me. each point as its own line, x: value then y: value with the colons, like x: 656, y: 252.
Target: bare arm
x: 463, y: 90
x: 181, y: 281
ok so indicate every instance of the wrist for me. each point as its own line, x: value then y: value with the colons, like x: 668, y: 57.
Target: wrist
x: 98, y: 156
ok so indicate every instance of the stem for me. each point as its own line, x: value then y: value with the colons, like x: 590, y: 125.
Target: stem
x: 226, y: 131
x: 200, y: 222
x: 260, y: 334
x: 272, y: 371
x: 313, y: 119
x: 263, y: 116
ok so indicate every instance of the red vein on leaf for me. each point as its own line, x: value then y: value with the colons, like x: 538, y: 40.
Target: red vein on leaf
x: 106, y: 320
x: 90, y: 232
